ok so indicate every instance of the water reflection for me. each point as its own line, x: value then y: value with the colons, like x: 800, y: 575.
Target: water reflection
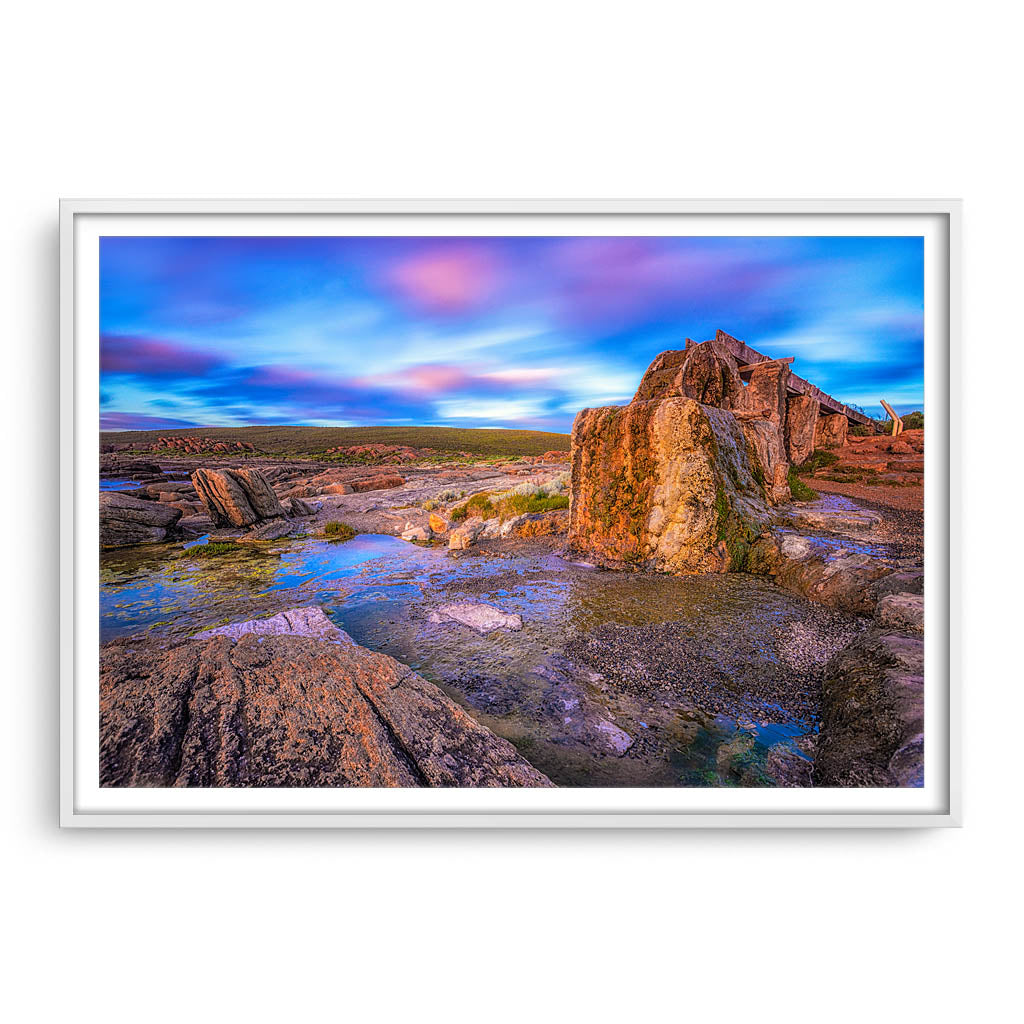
x: 563, y: 714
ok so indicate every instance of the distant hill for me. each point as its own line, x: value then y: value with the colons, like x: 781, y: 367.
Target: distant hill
x: 314, y: 440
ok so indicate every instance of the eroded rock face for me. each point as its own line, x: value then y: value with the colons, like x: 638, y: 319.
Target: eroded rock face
x: 767, y: 452
x: 707, y: 373
x: 236, y: 497
x: 872, y: 728
x: 288, y: 701
x: 663, y: 484
x: 125, y: 520
x: 831, y: 431
x: 765, y: 393
x: 801, y: 422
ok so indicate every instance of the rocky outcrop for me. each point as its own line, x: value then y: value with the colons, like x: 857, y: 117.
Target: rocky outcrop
x: 872, y: 725
x: 801, y: 423
x: 287, y: 701
x: 125, y: 520
x: 707, y: 373
x: 831, y: 431
x: 765, y: 393
x: 236, y: 497
x: 663, y: 484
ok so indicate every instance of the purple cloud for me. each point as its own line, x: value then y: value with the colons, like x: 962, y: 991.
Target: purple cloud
x: 150, y: 357
x: 140, y: 421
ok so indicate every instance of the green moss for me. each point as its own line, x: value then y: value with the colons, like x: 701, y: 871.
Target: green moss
x: 819, y: 459
x: 339, y: 531
x: 800, y: 490
x: 722, y: 511
x: 212, y: 550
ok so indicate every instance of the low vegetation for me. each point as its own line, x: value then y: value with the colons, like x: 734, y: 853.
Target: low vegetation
x: 213, y: 550
x: 339, y: 531
x: 311, y: 442
x: 800, y: 490
x: 518, y: 501
x: 819, y: 459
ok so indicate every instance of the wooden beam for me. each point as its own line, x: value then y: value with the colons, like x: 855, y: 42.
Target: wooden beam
x: 897, y: 423
x: 748, y: 357
x: 750, y: 366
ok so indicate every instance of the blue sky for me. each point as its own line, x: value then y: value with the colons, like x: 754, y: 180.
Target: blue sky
x: 484, y: 332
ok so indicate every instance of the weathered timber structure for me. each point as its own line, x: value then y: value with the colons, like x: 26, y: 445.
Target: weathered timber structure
x: 749, y: 357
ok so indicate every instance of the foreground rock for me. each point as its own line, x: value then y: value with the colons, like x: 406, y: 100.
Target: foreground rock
x: 287, y: 701
x: 665, y: 485
x: 872, y: 726
x: 125, y: 520
x: 236, y: 497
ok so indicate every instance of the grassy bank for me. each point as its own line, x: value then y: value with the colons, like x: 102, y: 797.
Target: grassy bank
x: 304, y: 441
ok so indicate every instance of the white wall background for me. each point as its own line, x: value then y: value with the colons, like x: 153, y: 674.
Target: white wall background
x: 528, y: 99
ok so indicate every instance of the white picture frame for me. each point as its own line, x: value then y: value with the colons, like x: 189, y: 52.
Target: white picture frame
x: 939, y: 804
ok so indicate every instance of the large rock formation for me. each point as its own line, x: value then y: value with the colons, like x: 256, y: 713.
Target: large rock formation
x: 686, y: 486
x: 801, y: 424
x: 707, y: 373
x: 125, y: 520
x: 236, y: 497
x: 287, y: 701
x: 664, y: 484
x: 831, y: 431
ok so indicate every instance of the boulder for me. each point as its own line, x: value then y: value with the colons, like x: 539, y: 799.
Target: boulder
x: 270, y: 529
x: 664, y: 485
x: 298, y: 507
x: 412, y: 532
x: 464, y: 536
x: 260, y: 494
x: 125, y: 521
x: 831, y: 431
x: 438, y: 524
x: 289, y: 701
x: 902, y: 611
x: 236, y: 497
x: 801, y: 423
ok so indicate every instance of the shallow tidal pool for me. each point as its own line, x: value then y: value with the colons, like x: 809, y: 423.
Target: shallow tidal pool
x: 615, y: 679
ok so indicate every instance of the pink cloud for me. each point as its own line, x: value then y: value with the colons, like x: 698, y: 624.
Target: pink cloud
x: 449, y: 280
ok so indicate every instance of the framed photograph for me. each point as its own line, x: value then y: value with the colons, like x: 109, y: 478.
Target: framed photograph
x: 509, y: 514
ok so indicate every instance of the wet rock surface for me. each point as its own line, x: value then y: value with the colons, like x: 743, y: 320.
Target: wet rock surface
x: 872, y: 729
x: 287, y: 704
x: 664, y: 484
x: 484, y: 618
x: 125, y: 521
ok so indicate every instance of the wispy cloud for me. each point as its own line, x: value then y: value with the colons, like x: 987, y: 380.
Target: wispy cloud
x: 484, y: 331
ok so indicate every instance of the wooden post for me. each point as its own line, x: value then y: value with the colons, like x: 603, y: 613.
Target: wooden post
x: 897, y: 423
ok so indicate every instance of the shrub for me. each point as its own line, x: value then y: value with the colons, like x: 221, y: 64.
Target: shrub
x: 429, y: 505
x: 339, y: 531
x: 561, y: 482
x: 449, y: 495
x: 913, y: 421
x: 458, y: 514
x: 801, y: 492
x: 819, y: 459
